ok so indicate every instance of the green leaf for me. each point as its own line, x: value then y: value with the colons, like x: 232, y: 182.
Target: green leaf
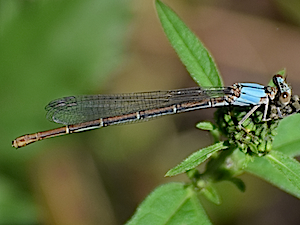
x: 211, y: 194
x: 287, y: 139
x: 214, y: 131
x: 282, y: 72
x: 196, y: 158
x: 263, y: 168
x: 170, y: 204
x: 287, y: 165
x: 190, y: 50
x: 205, y: 126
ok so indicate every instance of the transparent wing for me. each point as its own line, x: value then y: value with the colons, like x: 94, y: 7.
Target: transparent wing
x: 79, y: 109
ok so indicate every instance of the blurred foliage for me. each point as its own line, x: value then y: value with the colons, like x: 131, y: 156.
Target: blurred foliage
x: 290, y: 10
x: 49, y: 49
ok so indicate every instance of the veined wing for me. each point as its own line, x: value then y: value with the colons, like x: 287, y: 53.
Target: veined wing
x: 79, y: 109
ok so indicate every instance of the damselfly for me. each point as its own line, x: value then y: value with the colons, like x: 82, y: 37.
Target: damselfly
x: 81, y: 113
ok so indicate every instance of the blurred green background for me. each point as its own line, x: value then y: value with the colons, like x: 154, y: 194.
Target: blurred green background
x: 50, y: 49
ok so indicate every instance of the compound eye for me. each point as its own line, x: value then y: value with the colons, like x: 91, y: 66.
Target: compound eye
x: 277, y: 79
x: 284, y: 98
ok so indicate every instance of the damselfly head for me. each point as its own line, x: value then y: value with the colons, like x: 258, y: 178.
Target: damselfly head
x: 284, y: 91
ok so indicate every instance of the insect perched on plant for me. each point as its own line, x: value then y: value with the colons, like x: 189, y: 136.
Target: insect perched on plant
x: 81, y: 113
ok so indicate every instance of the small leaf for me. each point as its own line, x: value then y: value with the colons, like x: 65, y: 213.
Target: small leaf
x: 170, y: 204
x: 287, y: 139
x: 214, y: 131
x: 205, y: 126
x: 190, y: 50
x: 211, y: 194
x: 287, y: 165
x: 282, y: 72
x: 196, y: 158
